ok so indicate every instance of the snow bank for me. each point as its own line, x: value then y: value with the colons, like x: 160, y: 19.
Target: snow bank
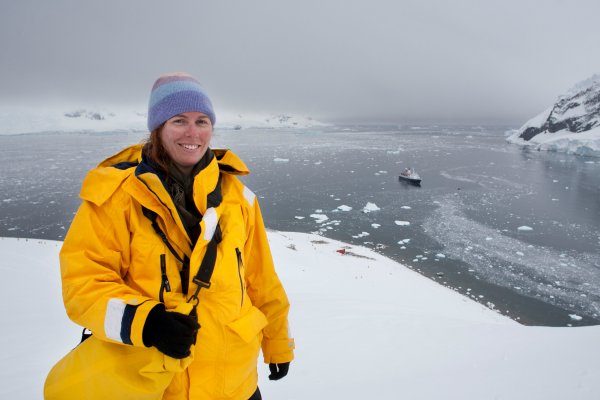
x: 365, y: 327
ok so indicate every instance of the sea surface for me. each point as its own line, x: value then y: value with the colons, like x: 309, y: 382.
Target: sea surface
x: 515, y: 229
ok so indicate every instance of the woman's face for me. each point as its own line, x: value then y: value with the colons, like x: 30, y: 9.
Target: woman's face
x: 185, y: 138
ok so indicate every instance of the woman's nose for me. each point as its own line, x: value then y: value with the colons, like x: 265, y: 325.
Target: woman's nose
x: 191, y: 130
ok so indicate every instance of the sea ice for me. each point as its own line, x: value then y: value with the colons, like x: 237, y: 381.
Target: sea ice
x: 319, y: 218
x: 402, y: 223
x: 362, y: 234
x: 344, y: 208
x: 525, y: 228
x: 282, y: 160
x: 370, y: 207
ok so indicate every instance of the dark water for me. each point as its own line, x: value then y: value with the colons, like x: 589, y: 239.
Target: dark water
x: 461, y: 227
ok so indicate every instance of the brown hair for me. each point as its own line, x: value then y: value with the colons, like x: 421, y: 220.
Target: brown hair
x: 154, y: 150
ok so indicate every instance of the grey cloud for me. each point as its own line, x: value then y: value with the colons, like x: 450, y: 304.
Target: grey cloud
x: 360, y: 60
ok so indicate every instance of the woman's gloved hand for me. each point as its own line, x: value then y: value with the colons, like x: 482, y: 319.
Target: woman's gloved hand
x: 170, y: 332
x: 278, y: 371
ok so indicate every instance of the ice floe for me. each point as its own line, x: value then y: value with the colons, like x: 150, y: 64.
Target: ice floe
x: 370, y: 207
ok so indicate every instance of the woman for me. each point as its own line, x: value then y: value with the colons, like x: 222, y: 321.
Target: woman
x: 152, y: 217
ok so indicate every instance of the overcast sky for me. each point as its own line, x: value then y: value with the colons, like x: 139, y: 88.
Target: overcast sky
x: 369, y: 60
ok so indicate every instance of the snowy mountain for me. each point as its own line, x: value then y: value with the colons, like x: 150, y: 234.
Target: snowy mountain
x: 14, y: 120
x: 571, y: 125
x: 242, y: 121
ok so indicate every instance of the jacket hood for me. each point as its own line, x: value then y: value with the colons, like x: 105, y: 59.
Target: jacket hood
x: 101, y: 182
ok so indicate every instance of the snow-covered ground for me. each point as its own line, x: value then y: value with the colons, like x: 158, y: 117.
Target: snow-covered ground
x: 365, y: 327
x: 20, y: 120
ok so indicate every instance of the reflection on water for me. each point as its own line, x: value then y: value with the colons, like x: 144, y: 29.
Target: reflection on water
x: 461, y: 227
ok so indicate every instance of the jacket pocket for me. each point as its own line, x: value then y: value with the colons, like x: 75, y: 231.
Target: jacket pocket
x: 250, y: 325
x: 243, y: 340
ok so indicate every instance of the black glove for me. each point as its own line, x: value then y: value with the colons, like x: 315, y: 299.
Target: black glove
x: 278, y: 371
x: 170, y: 332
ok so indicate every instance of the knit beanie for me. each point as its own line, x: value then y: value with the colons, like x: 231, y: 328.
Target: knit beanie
x: 176, y: 93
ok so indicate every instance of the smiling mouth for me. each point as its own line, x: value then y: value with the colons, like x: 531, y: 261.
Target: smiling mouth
x: 190, y: 146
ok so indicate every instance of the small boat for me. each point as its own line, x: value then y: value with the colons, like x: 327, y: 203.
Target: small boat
x: 409, y: 175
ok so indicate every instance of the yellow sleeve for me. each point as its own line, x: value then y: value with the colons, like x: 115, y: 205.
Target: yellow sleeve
x: 267, y: 292
x: 93, y: 262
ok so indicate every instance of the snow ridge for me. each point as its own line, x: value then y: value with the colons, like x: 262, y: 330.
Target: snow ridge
x: 94, y: 118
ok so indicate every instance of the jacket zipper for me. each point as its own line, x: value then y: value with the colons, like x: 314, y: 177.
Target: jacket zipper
x: 164, y: 284
x: 240, y: 265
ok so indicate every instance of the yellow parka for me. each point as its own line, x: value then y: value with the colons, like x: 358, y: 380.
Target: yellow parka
x: 115, y: 268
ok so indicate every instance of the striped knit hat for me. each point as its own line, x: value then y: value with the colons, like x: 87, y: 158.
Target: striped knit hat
x: 174, y: 94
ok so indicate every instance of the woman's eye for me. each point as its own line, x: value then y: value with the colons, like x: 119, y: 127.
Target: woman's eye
x: 202, y: 122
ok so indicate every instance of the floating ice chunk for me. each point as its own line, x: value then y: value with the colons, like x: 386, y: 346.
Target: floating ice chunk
x: 375, y: 226
x: 383, y: 172
x: 525, y: 228
x: 440, y: 255
x: 319, y: 218
x: 298, y: 217
x: 370, y: 207
x: 402, y: 223
x: 319, y: 163
x: 282, y: 160
x: 404, y: 241
x: 344, y: 208
x: 575, y: 317
x: 406, y: 207
x: 362, y: 234
x: 488, y: 238
x: 520, y: 253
